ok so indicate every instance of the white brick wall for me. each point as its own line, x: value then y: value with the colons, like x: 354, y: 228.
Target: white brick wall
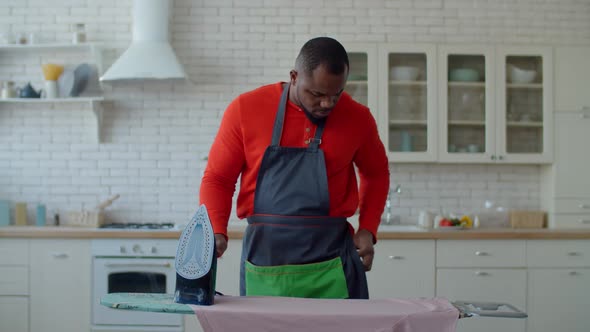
x: 156, y: 135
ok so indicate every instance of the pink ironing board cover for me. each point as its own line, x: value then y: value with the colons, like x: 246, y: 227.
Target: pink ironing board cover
x: 253, y: 313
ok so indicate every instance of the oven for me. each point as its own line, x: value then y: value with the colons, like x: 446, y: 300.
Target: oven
x: 133, y: 266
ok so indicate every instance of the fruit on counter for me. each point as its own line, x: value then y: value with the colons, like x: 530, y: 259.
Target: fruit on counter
x: 446, y: 223
x: 466, y: 221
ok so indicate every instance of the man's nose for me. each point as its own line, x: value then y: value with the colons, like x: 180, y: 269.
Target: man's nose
x: 328, y: 102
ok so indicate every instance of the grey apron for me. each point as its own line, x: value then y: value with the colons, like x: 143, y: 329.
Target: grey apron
x: 291, y: 227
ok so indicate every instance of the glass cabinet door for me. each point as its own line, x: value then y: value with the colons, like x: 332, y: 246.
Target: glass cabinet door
x: 408, y: 119
x: 524, y: 117
x: 362, y: 80
x: 467, y: 99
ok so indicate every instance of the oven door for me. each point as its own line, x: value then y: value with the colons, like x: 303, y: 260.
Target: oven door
x: 132, y: 275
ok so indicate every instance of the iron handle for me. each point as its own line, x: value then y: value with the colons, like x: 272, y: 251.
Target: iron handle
x: 481, y: 273
x: 573, y: 253
x: 584, y: 221
x: 138, y: 265
x: 481, y: 253
x: 584, y: 206
x: 396, y: 257
x: 574, y: 273
x: 59, y: 255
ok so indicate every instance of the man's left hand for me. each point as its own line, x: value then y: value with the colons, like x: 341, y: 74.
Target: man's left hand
x: 363, y: 240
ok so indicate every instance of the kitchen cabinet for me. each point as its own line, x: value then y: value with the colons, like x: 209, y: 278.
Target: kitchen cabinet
x: 566, y: 185
x: 56, y: 53
x: 60, y: 285
x: 496, y: 104
x: 558, y: 285
x: 402, y: 268
x: 570, y: 202
x: 14, y: 285
x: 487, y: 271
x: 407, y: 92
x: 362, y: 78
x: 572, y: 71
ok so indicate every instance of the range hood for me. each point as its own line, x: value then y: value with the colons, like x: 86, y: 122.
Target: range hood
x: 150, y: 55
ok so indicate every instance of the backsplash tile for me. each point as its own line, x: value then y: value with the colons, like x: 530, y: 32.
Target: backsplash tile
x: 156, y: 135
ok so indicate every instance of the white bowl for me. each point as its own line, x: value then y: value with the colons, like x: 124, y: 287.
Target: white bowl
x: 517, y: 75
x: 404, y: 73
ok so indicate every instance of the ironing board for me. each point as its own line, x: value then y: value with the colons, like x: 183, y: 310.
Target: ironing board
x: 153, y: 302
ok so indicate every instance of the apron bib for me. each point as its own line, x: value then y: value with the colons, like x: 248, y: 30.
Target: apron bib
x: 291, y: 246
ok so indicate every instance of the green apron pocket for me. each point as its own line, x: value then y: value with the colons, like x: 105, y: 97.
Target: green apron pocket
x: 316, y: 280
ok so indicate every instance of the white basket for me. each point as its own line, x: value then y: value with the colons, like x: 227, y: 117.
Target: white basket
x: 84, y: 219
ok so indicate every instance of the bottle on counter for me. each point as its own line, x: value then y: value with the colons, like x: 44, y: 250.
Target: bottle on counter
x: 41, y: 215
x: 20, y: 214
x: 79, y: 33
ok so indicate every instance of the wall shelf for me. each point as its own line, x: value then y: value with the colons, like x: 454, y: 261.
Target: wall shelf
x: 95, y: 105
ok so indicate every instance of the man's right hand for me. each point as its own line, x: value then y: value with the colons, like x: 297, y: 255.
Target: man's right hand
x: 220, y: 244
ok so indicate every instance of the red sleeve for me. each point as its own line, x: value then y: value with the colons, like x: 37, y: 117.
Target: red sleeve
x: 226, y: 159
x: 373, y: 167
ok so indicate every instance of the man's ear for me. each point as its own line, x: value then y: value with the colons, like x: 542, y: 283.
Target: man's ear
x: 293, y: 75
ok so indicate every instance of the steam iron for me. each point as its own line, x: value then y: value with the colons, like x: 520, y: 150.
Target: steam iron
x: 196, y: 261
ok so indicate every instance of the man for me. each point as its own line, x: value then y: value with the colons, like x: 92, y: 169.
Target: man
x: 295, y: 146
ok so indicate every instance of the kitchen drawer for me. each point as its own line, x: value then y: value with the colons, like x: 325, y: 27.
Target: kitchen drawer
x: 14, y: 252
x: 561, y: 220
x: 14, y: 280
x: 558, y: 253
x: 402, y: 268
x: 573, y: 205
x: 480, y: 253
x: 486, y: 285
x: 14, y: 314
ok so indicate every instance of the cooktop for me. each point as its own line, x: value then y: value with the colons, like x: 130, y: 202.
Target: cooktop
x: 163, y: 226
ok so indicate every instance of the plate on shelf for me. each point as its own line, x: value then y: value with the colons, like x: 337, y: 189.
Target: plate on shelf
x: 65, y: 82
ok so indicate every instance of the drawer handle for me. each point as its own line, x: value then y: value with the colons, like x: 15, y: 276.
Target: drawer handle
x: 481, y: 273
x: 59, y: 255
x: 481, y: 253
x: 584, y: 221
x: 574, y: 273
x: 573, y: 253
x: 583, y: 115
x: 396, y: 257
x: 584, y: 206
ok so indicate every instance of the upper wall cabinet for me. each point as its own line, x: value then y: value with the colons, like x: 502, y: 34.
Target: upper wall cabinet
x: 407, y: 96
x: 362, y: 78
x: 571, y: 77
x: 495, y: 104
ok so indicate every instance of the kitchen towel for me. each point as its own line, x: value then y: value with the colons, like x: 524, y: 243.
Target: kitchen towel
x: 252, y: 313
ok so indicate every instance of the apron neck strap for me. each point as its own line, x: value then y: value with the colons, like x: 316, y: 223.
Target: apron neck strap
x: 277, y: 131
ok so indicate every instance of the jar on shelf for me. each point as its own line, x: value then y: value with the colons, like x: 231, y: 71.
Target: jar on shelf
x: 79, y: 33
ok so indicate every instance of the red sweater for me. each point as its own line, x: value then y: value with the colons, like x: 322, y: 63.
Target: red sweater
x: 350, y: 138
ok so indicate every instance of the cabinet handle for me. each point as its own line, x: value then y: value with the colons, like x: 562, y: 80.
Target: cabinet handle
x: 481, y: 273
x: 59, y: 255
x: 396, y: 257
x: 584, y: 221
x: 493, y: 157
x: 573, y: 253
x: 574, y: 273
x: 481, y: 253
x: 584, y: 115
x: 500, y: 157
x: 584, y: 206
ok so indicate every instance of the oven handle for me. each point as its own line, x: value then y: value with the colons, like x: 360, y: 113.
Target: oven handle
x: 138, y: 265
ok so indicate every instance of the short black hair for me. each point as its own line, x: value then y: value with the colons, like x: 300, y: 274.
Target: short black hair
x: 322, y: 51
